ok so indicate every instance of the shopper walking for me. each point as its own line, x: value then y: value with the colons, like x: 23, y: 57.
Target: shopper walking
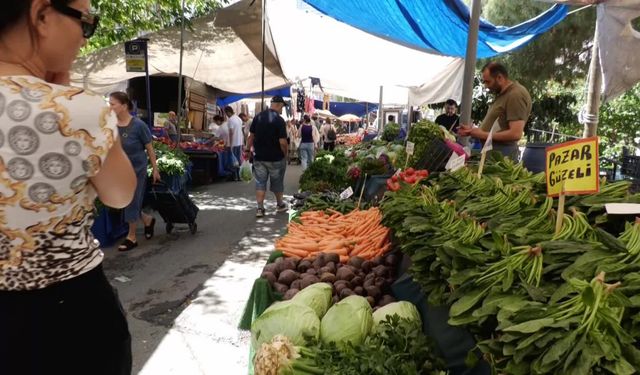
x: 268, y: 137
x: 136, y: 142
x: 59, y: 149
x: 237, y: 140
x: 309, y: 138
x: 329, y: 136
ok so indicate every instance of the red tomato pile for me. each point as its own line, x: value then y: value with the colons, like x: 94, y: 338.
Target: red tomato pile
x: 410, y: 176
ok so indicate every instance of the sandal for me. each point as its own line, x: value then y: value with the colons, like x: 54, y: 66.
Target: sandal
x: 127, y: 245
x: 149, y: 229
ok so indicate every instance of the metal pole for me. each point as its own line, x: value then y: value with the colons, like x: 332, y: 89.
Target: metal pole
x: 264, y: 42
x: 180, y: 73
x: 594, y: 91
x: 380, y: 113
x: 470, y: 65
x: 148, y: 83
x: 409, y: 113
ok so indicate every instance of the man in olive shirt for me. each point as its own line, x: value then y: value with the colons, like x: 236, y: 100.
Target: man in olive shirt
x: 510, y: 109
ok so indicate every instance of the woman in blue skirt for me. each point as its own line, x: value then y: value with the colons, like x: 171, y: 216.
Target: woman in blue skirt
x: 136, y: 142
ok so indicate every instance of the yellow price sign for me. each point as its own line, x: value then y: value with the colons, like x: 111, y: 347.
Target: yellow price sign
x: 575, y: 165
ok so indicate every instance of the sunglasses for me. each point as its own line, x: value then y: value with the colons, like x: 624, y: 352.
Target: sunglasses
x: 89, y: 22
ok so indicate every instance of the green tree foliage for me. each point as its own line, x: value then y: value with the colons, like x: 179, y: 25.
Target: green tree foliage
x: 561, y: 55
x: 619, y: 123
x: 122, y: 20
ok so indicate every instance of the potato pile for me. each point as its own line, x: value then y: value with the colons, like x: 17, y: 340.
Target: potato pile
x: 371, y: 279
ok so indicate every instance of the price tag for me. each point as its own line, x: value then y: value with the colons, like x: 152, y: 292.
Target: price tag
x: 347, y: 193
x: 622, y: 208
x: 455, y: 162
x: 398, y: 171
x: 410, y: 147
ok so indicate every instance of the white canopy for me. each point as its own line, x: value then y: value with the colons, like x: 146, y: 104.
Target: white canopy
x: 354, y: 64
x: 301, y: 43
x: 214, y: 55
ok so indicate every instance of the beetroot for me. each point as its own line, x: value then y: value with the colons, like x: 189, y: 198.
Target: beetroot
x: 269, y: 276
x: 344, y: 273
x: 287, y: 277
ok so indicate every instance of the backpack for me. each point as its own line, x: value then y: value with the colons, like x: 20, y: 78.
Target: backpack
x: 331, y: 135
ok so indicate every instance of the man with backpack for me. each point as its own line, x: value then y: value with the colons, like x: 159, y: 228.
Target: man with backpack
x: 329, y: 136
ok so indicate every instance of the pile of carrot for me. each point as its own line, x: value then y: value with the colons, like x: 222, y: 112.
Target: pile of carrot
x: 358, y: 233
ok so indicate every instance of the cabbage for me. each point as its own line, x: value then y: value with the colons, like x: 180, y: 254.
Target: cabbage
x: 287, y: 318
x: 403, y: 309
x: 397, y: 148
x: 347, y: 321
x: 316, y: 296
x: 381, y: 150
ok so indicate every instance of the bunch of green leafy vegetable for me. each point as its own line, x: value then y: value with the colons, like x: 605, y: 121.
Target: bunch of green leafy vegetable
x: 170, y: 161
x: 422, y: 133
x: 577, y: 332
x: 395, y: 348
x: 330, y: 201
x: 487, y: 247
x: 328, y: 170
x: 391, y: 132
x: 372, y: 167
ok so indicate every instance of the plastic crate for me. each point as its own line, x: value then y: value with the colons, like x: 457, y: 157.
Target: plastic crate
x: 436, y: 155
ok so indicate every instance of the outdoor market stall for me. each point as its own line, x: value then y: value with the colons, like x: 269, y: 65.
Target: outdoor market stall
x: 499, y: 275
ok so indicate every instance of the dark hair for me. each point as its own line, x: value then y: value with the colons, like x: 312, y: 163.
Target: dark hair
x: 495, y: 68
x: 123, y: 98
x: 391, y: 118
x: 451, y: 102
x: 218, y: 118
x: 228, y: 110
x: 15, y: 10
x: 306, y: 118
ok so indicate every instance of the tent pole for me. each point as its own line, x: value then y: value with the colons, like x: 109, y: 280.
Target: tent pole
x: 470, y: 66
x: 409, y: 113
x: 595, y: 88
x: 264, y: 42
x: 178, y: 127
x: 380, y: 113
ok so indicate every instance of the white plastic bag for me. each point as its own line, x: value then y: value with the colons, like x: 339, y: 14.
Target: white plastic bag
x: 246, y: 171
x: 234, y: 161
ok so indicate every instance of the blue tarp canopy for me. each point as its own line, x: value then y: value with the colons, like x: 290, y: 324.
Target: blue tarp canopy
x: 285, y: 92
x: 339, y: 108
x: 439, y: 26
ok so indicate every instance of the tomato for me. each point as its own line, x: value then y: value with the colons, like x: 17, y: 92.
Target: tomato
x: 410, y: 171
x: 395, y: 186
x: 394, y: 178
x: 390, y: 184
x: 410, y: 180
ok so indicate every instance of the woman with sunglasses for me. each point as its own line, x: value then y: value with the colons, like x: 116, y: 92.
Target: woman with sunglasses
x: 59, y: 149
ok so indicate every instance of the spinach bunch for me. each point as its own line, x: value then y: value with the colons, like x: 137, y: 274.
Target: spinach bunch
x: 578, y: 332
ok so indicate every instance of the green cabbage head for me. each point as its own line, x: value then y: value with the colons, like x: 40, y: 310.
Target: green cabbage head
x: 287, y: 318
x: 403, y: 309
x: 349, y: 320
x: 316, y: 296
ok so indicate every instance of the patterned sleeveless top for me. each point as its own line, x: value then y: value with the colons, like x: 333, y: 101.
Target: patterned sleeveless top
x: 52, y: 139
